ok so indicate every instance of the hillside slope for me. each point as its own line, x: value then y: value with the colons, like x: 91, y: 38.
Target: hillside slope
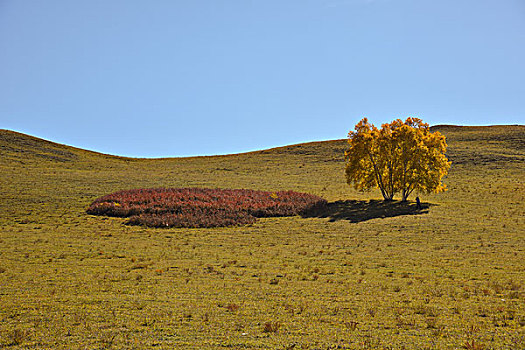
x: 363, y: 275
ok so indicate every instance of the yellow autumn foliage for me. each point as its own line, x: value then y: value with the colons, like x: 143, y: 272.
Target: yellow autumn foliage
x: 401, y: 157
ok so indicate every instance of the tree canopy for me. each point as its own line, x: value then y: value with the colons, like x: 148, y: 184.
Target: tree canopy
x: 401, y: 157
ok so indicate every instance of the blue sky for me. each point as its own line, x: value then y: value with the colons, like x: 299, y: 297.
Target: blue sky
x: 177, y: 78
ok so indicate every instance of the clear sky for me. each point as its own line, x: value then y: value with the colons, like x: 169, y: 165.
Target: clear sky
x: 174, y: 78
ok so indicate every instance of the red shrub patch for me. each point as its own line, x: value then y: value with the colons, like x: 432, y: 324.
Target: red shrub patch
x: 199, y: 207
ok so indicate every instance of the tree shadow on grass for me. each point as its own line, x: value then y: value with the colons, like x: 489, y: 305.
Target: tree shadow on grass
x: 358, y: 211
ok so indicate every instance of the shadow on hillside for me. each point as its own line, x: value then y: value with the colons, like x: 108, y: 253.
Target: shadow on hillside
x: 358, y: 211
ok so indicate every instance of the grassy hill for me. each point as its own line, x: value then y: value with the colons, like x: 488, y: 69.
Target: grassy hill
x: 362, y: 275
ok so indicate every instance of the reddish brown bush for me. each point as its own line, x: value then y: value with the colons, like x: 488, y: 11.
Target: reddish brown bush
x: 199, y: 207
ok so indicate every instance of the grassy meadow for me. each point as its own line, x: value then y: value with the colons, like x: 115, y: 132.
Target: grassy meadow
x: 360, y: 275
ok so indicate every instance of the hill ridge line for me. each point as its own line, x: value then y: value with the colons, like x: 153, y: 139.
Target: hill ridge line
x: 266, y: 150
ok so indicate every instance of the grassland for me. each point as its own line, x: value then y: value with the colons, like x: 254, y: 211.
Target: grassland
x: 361, y: 275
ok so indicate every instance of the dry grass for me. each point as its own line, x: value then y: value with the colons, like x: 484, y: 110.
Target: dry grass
x: 359, y: 276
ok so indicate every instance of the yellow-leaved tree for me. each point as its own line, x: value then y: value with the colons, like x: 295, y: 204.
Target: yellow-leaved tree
x: 401, y: 157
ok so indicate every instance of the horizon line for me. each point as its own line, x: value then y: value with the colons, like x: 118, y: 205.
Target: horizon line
x: 226, y: 154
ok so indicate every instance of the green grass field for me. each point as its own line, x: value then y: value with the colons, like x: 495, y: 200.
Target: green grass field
x: 361, y: 275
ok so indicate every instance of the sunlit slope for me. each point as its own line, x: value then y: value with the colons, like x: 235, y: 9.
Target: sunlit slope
x: 36, y: 170
x: 25, y: 149
x: 357, y: 278
x: 482, y: 141
x: 484, y: 145
x: 48, y: 177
